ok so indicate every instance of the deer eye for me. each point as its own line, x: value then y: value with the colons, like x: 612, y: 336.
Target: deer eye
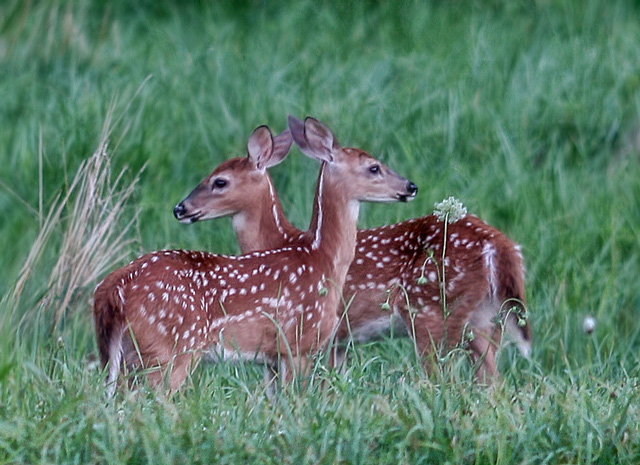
x: 220, y: 183
x: 375, y: 169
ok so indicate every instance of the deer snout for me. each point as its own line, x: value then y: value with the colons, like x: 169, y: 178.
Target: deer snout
x: 182, y: 214
x: 180, y: 211
x: 412, y: 190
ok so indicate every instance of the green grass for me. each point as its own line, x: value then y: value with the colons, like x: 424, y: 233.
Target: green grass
x: 529, y: 112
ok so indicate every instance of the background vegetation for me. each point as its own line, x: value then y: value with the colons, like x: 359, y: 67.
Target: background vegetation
x: 529, y: 112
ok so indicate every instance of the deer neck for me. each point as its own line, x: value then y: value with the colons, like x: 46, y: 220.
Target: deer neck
x: 334, y: 224
x: 263, y: 226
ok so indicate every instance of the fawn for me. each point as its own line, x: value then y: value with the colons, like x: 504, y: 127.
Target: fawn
x: 166, y: 310
x: 400, y: 265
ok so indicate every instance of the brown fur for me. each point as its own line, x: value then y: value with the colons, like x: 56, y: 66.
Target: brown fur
x: 168, y: 309
x: 472, y: 303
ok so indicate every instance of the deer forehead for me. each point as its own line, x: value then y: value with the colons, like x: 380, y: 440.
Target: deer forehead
x: 354, y: 154
x: 234, y: 164
x: 239, y: 168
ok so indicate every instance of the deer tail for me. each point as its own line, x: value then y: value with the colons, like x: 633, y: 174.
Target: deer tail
x: 511, y: 290
x: 110, y: 321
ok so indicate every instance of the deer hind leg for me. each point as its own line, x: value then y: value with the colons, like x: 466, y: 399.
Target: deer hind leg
x: 162, y: 368
x: 427, y: 349
x: 425, y: 325
x: 434, y: 336
x: 483, y: 352
x: 486, y: 342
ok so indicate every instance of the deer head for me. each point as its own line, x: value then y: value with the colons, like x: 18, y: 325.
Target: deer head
x: 357, y: 174
x: 224, y: 192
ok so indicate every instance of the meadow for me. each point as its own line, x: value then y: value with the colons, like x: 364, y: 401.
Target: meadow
x: 526, y: 111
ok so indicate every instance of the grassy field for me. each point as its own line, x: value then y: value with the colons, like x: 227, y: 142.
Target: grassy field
x: 529, y: 112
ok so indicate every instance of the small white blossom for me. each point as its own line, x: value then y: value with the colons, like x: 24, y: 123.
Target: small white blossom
x: 589, y: 324
x: 450, y: 209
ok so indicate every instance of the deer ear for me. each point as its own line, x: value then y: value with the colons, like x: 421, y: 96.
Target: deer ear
x: 314, y: 138
x: 281, y: 147
x: 260, y: 147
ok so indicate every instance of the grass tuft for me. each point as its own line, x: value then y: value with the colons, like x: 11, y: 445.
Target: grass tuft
x: 87, y: 229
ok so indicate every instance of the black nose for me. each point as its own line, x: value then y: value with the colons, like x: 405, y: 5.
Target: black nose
x: 412, y: 189
x: 180, y: 210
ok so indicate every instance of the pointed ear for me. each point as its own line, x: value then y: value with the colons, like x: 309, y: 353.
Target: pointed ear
x: 260, y: 146
x: 281, y: 147
x: 314, y: 138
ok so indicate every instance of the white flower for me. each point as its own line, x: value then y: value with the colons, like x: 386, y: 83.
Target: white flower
x: 450, y: 209
x: 589, y: 324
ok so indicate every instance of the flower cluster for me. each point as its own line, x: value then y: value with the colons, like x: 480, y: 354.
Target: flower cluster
x: 450, y: 209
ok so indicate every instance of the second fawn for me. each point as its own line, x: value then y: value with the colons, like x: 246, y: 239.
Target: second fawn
x: 399, y: 264
x: 166, y: 310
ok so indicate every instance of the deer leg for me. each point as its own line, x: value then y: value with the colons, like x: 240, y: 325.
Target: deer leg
x: 170, y: 372
x: 337, y: 357
x: 272, y: 380
x: 427, y: 350
x: 183, y: 364
x: 298, y: 367
x: 483, y: 351
x: 426, y: 327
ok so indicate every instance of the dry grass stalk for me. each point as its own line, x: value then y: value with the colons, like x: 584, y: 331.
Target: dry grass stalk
x: 90, y: 238
x: 90, y: 243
